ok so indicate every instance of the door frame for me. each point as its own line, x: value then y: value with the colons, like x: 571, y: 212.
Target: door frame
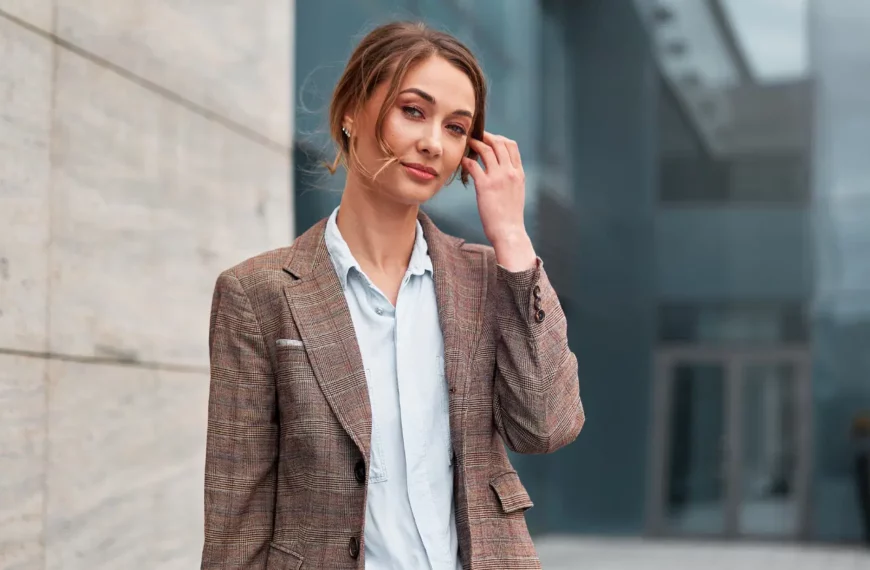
x: 733, y: 360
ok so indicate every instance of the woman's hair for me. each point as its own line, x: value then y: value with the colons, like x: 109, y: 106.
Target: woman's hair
x: 386, y: 54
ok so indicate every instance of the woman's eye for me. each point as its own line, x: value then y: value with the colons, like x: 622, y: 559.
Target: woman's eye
x: 415, y: 113
x: 412, y: 112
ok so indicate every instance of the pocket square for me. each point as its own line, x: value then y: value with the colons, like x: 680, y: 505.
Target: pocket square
x: 289, y: 342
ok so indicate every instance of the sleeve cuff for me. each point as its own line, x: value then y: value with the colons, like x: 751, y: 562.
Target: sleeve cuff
x: 520, y: 288
x: 520, y: 280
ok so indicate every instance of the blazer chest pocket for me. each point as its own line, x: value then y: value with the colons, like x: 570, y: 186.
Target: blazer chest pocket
x: 511, y: 494
x: 290, y: 351
x: 292, y: 360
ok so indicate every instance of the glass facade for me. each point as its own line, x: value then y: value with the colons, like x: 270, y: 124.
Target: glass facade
x: 699, y: 190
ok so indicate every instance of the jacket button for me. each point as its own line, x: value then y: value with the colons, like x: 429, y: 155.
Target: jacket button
x: 353, y: 547
x: 359, y: 472
x: 539, y: 316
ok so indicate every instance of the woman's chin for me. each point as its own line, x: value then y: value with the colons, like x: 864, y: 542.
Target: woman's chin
x: 412, y: 194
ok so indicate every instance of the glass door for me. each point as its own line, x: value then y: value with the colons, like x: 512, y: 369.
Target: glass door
x: 730, y: 444
x: 772, y: 462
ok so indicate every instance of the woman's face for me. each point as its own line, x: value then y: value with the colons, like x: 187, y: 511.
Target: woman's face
x: 427, y: 129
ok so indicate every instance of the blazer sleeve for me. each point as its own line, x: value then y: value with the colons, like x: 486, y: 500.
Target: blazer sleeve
x: 242, y: 435
x: 536, y: 405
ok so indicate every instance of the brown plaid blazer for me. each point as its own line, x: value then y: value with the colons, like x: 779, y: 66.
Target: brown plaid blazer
x: 289, y: 425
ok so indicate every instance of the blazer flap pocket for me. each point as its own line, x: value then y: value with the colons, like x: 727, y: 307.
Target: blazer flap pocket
x: 511, y: 493
x: 282, y: 558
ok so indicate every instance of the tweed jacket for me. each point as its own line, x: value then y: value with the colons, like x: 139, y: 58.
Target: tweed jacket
x: 289, y: 418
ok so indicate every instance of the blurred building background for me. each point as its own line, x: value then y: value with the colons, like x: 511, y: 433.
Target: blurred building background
x: 699, y: 189
x: 698, y: 186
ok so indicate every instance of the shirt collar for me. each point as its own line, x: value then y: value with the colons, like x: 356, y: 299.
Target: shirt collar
x: 420, y: 261
x: 343, y: 260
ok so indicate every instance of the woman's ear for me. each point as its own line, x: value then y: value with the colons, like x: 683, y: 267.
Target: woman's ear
x: 347, y: 123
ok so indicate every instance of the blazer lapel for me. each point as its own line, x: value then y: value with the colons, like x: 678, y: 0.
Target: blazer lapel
x: 320, y: 310
x: 460, y: 286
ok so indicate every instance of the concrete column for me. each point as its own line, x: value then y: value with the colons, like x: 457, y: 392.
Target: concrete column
x: 144, y: 147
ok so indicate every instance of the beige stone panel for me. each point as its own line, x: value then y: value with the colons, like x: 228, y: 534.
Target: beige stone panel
x: 151, y: 202
x: 25, y: 111
x: 125, y: 463
x: 234, y: 58
x: 22, y: 461
x: 35, y: 12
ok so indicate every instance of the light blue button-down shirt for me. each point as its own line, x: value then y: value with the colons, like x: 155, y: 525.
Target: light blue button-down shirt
x: 410, y: 520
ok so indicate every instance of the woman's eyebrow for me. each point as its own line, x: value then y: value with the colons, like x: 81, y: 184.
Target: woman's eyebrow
x: 431, y: 100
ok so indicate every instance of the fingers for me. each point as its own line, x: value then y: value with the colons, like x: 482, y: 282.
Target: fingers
x: 495, y: 152
x: 514, y: 152
x: 474, y: 169
x: 490, y: 161
x: 498, y: 145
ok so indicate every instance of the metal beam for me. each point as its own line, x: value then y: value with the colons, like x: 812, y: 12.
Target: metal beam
x: 732, y: 44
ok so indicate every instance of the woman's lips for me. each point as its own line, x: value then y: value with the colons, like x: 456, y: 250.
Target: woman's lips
x: 420, y: 171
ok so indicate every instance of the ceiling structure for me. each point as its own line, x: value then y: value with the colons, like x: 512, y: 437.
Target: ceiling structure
x: 739, y: 69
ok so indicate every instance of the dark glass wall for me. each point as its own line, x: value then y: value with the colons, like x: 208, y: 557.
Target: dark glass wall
x: 840, y: 59
x: 598, y: 484
x: 691, y: 191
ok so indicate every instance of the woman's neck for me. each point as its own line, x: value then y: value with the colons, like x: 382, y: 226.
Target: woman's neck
x: 379, y: 232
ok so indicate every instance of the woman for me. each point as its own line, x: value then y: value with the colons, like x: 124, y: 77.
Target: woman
x: 366, y: 379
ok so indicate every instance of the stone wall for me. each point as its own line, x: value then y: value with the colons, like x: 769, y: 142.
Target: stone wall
x: 144, y: 147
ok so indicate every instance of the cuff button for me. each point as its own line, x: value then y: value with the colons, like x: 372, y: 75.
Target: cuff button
x: 539, y: 315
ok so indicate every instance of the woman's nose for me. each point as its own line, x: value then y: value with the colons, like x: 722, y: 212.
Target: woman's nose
x: 430, y: 144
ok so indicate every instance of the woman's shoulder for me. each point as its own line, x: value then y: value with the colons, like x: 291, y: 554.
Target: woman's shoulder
x: 469, y: 252
x: 275, y: 262
x: 475, y: 263
x: 259, y: 277
x: 271, y: 261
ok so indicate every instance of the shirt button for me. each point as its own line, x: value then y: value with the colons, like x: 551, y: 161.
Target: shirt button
x: 379, y: 311
x: 353, y: 547
x: 359, y: 472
